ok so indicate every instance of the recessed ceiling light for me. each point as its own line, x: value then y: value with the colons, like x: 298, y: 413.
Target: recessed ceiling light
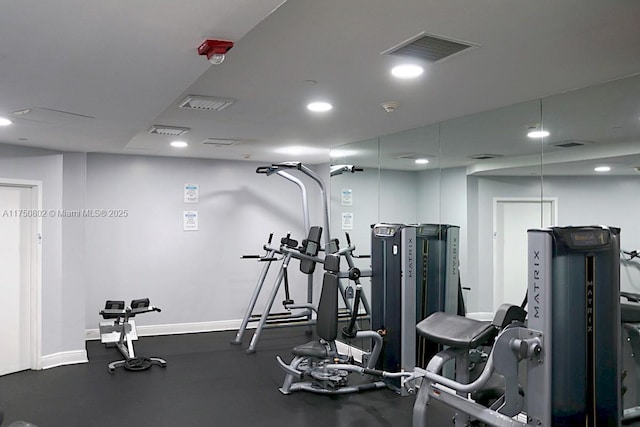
x: 407, y: 71
x: 179, y: 144
x: 5, y: 122
x: 602, y: 168
x: 297, y: 150
x: 422, y: 161
x: 537, y: 134
x: 319, y: 107
x: 341, y: 153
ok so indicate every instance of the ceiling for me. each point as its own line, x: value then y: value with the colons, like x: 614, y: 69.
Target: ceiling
x: 96, y: 76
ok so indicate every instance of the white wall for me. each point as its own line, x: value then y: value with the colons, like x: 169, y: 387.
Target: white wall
x: 611, y: 200
x: 378, y: 196
x: 602, y: 200
x: 195, y: 276
x: 73, y: 250
x: 398, y: 196
x: 364, y: 186
x: 481, y: 192
x: 49, y: 170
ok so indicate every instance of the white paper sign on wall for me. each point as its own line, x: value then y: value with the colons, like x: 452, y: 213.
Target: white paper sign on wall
x: 347, y: 221
x: 191, y: 193
x: 346, y: 197
x: 190, y: 220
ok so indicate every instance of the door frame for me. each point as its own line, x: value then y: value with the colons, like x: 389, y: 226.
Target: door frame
x: 35, y: 285
x: 496, y: 201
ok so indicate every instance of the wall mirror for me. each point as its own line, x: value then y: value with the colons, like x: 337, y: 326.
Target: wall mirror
x: 592, y: 162
x: 448, y: 173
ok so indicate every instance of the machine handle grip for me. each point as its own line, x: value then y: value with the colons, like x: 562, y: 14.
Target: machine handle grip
x: 263, y: 169
x: 250, y: 256
x: 374, y: 372
x: 290, y: 165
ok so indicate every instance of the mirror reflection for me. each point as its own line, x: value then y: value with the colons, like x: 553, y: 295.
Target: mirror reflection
x: 592, y: 161
x: 495, y: 174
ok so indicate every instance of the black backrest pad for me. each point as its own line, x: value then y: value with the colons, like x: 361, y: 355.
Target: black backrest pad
x: 507, y: 314
x: 114, y: 305
x: 311, y: 248
x: 327, y: 321
x: 140, y: 303
x: 332, y: 263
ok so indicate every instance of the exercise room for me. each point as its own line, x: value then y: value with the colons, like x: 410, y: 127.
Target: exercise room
x: 346, y: 213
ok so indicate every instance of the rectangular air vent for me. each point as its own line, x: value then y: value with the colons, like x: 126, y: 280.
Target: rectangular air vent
x: 167, y: 130
x: 205, y: 103
x: 570, y: 143
x: 411, y: 156
x: 429, y: 47
x: 217, y: 142
x: 485, y: 156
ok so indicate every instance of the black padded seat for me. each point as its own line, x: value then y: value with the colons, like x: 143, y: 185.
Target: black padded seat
x: 311, y: 349
x: 456, y: 331
x: 630, y: 313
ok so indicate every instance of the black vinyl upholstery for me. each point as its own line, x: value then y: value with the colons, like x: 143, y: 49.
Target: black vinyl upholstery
x: 112, y: 305
x: 630, y: 313
x: 327, y: 322
x: 332, y: 263
x: 456, y: 331
x: 311, y: 349
x: 311, y: 247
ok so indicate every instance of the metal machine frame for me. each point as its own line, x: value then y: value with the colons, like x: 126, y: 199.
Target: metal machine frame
x: 285, y: 253
x: 571, y: 345
x: 121, y: 332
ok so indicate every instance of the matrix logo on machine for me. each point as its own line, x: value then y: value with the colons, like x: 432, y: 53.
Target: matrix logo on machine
x: 454, y: 256
x: 536, y: 284
x: 410, y: 258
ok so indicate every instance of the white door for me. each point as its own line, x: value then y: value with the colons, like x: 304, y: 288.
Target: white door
x: 16, y: 252
x: 512, y: 219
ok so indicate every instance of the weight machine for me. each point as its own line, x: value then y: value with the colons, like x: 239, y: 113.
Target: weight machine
x: 307, y: 254
x: 570, y: 346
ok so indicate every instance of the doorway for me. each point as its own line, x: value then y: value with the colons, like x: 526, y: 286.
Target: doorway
x: 20, y: 275
x: 512, y: 217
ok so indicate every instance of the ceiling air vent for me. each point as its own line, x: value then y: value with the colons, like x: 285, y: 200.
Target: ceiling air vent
x: 205, y: 103
x: 167, y: 130
x: 485, y: 156
x: 570, y: 143
x: 411, y: 156
x: 429, y: 47
x: 217, y: 142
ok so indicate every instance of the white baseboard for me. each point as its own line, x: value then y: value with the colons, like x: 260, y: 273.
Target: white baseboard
x: 176, y: 328
x: 64, y: 358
